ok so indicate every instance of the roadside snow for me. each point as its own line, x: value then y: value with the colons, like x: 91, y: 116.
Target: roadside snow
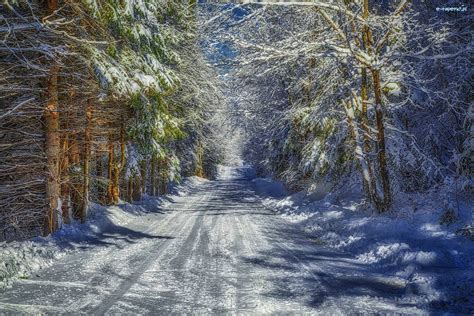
x: 268, y: 187
x: 23, y: 258
x: 414, y: 242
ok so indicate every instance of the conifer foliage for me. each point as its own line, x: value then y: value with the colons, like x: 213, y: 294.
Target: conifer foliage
x: 374, y: 94
x: 96, y: 105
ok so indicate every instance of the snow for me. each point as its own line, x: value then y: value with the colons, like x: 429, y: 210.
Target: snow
x: 19, y: 260
x: 267, y: 187
x: 409, y: 243
x: 215, y: 247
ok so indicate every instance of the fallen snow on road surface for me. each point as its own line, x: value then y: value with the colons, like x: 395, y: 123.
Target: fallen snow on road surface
x: 19, y: 260
x: 215, y: 247
x: 420, y: 241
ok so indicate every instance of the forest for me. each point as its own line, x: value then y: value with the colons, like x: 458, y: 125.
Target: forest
x: 352, y: 119
x: 99, y: 103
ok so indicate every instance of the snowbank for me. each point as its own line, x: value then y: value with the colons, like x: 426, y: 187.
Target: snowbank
x: 268, y: 187
x: 21, y: 259
x: 419, y: 241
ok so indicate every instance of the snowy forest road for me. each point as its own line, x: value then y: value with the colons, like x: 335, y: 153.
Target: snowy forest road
x: 216, y: 250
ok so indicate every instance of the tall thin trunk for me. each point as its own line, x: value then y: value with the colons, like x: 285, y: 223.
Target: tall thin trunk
x: 101, y: 196
x: 143, y: 176
x: 136, y: 188
x: 162, y: 176
x: 110, y: 171
x: 115, y: 185
x: 76, y: 184
x: 118, y: 168
x: 122, y: 181
x: 130, y: 189
x: 53, y: 149
x: 86, y: 162
x: 153, y: 175
x: 122, y: 145
x: 360, y: 155
x: 382, y: 203
x: 64, y: 174
x: 199, y: 163
x: 114, y: 176
x: 381, y: 150
x: 164, y: 179
x: 369, y: 184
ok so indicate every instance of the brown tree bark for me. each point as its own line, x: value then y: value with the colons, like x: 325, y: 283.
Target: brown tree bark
x: 381, y: 203
x: 369, y: 184
x: 110, y: 171
x: 163, y: 175
x: 52, y: 5
x: 52, y: 142
x: 52, y: 150
x: 64, y: 174
x: 153, y: 176
x: 199, y: 163
x: 101, y: 196
x: 136, y: 188
x: 143, y: 177
x: 113, y: 190
x: 75, y: 184
x: 115, y: 169
x: 86, y: 162
x: 123, y: 144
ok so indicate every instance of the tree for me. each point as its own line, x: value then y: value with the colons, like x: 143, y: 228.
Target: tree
x: 363, y: 81
x: 107, y: 88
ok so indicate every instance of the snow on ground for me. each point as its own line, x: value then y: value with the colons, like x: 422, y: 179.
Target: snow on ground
x: 419, y: 242
x: 19, y: 260
x: 218, y: 250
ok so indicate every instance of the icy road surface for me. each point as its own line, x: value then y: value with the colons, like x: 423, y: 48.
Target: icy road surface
x: 216, y: 250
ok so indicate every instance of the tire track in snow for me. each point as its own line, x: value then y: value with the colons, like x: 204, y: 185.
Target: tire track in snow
x: 132, y: 279
x: 248, y: 297
x: 229, y: 257
x: 178, y: 259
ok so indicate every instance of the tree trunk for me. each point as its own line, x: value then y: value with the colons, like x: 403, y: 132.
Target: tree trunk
x: 163, y: 176
x: 153, y: 176
x: 371, y: 187
x: 382, y: 156
x: 359, y: 153
x: 123, y: 145
x: 110, y: 172
x: 52, y: 5
x: 115, y: 185
x: 64, y: 175
x: 130, y: 189
x: 86, y: 162
x: 136, y: 188
x: 143, y: 177
x: 101, y: 197
x: 199, y: 163
x: 52, y: 143
x: 113, y: 190
x: 53, y: 148
x: 75, y: 186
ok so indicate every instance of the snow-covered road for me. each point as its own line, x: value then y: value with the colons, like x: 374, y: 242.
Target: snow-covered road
x: 216, y: 250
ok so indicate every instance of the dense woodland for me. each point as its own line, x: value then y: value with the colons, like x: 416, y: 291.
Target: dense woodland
x: 100, y: 100
x: 108, y: 100
x: 372, y: 96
